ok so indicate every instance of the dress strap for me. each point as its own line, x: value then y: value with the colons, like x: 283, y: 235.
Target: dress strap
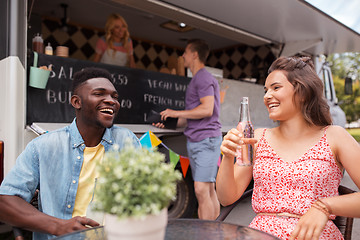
x: 263, y: 135
x: 325, y: 129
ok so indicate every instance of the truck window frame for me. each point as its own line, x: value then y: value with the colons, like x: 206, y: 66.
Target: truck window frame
x: 328, y: 89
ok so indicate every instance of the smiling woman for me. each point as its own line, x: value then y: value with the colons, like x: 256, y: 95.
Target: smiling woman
x: 116, y: 46
x: 298, y: 165
x: 278, y: 96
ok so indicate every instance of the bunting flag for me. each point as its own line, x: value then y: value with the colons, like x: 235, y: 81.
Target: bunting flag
x: 184, y: 162
x: 155, y: 141
x: 174, y: 158
x: 149, y: 140
x: 219, y: 161
x: 146, y: 141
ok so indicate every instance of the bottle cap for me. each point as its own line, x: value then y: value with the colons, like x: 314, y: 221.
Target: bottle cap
x: 245, y: 100
x: 38, y: 38
x: 48, y: 49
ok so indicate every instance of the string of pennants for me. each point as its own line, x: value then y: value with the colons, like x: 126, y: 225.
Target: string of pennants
x: 150, y: 140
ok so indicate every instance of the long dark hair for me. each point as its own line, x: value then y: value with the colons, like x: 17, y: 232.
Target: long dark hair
x: 308, y: 87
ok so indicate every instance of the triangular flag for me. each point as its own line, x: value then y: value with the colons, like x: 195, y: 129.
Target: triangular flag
x: 155, y: 141
x: 219, y: 161
x: 174, y: 158
x: 184, y: 162
x: 145, y: 140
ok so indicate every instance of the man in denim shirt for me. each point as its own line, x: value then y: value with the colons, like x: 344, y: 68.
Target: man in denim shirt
x: 55, y: 162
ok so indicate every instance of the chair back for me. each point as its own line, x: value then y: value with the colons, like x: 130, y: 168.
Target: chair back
x: 345, y: 224
x: 225, y: 211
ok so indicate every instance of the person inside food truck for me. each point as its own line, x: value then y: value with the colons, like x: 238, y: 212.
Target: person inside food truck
x: 116, y: 46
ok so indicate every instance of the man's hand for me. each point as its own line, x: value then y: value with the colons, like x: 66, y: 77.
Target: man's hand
x: 74, y: 224
x: 169, y: 113
x: 159, y: 125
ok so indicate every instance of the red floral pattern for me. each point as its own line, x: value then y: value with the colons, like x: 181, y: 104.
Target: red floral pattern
x: 292, y: 187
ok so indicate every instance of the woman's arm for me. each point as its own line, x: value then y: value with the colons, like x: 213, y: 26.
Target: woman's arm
x: 130, y: 52
x: 132, y: 61
x: 100, y: 48
x: 232, y: 179
x: 346, y: 151
x: 97, y: 57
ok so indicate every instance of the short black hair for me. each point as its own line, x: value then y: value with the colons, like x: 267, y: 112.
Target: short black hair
x: 201, y: 47
x: 89, y: 73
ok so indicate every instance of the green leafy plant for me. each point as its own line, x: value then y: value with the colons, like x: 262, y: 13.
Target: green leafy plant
x: 135, y: 182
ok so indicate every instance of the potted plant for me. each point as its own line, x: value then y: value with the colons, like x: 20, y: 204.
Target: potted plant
x: 134, y: 189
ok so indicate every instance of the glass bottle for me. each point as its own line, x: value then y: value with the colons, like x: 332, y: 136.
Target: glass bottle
x: 38, y: 44
x: 49, y: 49
x: 245, y: 154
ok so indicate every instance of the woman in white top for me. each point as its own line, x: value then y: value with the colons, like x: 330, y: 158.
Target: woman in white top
x: 115, y: 47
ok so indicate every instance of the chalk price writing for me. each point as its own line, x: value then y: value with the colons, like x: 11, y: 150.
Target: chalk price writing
x: 67, y: 73
x: 179, y: 103
x: 164, y: 101
x: 125, y: 103
x: 166, y: 85
x: 180, y: 87
x: 65, y: 97
x: 62, y: 73
x: 158, y: 100
x: 58, y: 96
x: 119, y: 79
x: 160, y: 84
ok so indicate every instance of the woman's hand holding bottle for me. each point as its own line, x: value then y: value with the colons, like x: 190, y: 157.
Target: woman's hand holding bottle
x: 233, y: 141
x: 240, y: 141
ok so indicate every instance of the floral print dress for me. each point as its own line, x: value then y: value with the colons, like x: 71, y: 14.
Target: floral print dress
x: 292, y: 187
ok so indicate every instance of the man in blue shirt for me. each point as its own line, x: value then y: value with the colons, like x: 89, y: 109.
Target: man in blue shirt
x: 55, y: 162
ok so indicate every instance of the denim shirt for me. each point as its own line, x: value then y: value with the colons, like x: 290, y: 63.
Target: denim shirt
x: 52, y: 162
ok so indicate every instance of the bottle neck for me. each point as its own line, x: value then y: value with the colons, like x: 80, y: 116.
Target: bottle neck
x: 244, y: 112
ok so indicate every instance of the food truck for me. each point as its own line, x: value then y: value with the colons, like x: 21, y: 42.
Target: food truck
x: 245, y: 36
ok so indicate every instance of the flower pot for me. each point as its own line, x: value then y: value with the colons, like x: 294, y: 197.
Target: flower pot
x: 151, y: 228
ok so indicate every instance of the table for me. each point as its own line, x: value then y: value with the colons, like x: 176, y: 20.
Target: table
x: 186, y: 229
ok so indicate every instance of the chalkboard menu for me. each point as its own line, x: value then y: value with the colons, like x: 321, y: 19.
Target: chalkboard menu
x: 140, y: 91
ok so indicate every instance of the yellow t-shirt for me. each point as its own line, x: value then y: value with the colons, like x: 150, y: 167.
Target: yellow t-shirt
x: 88, y: 174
